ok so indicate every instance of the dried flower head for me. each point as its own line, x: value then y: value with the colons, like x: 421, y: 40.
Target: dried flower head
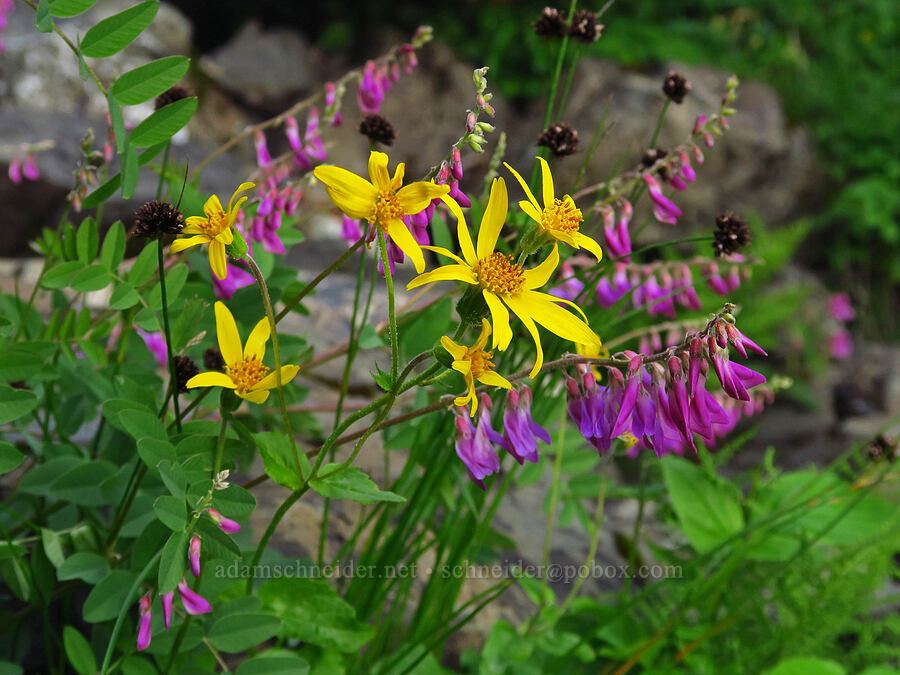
x: 185, y: 369
x: 675, y: 87
x: 171, y: 95
x: 584, y: 27
x: 550, y: 24
x: 731, y: 234
x: 561, y: 138
x: 378, y: 129
x: 212, y: 360
x: 156, y: 218
x: 651, y: 157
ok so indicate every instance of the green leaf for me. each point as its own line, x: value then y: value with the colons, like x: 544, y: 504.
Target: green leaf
x: 312, y: 611
x: 144, y: 265
x: 150, y: 80
x: 130, y: 170
x: 277, y: 456
x: 92, y: 278
x: 39, y: 480
x: 79, y: 652
x: 806, y: 665
x: 171, y: 511
x: 238, y: 632
x: 175, y: 279
x: 234, y: 502
x: 350, y: 483
x: 15, y: 403
x: 164, y: 123
x: 106, y: 598
x: 368, y: 338
x: 53, y: 548
x: 84, y: 565
x: 62, y: 275
x: 124, y: 297
x: 118, y: 123
x: 139, y: 424
x: 135, y: 665
x: 87, y: 241
x: 10, y: 458
x: 113, y: 246
x: 112, y: 407
x: 274, y: 662
x: 709, y: 512
x: 216, y: 544
x: 17, y: 577
x: 66, y: 8
x: 112, y: 35
x: 81, y: 485
x: 172, y: 475
x: 43, y: 21
x: 171, y: 563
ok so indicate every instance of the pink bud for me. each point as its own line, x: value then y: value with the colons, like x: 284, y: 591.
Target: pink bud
x: 263, y: 158
x: 698, y: 125
x: 471, y: 119
x: 15, y: 170
x: 143, y: 638
x: 167, y: 607
x: 194, y: 555
x: 194, y: 603
x: 29, y: 169
x: 225, y: 524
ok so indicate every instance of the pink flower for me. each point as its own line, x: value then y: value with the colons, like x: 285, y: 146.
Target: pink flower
x: 841, y: 344
x: 235, y: 279
x: 193, y: 602
x: 194, y: 555
x: 156, y: 343
x: 350, y: 230
x: 331, y: 109
x: 143, y: 638
x: 227, y: 525
x: 29, y: 168
x: 15, y: 170
x: 371, y: 93
x: 839, y: 307
x: 664, y: 209
x: 263, y: 158
x: 167, y: 607
x: 473, y: 444
x: 520, y: 431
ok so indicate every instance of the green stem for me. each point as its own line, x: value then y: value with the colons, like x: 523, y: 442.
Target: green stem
x: 554, y: 491
x: 392, y: 319
x: 173, y: 378
x: 179, y: 639
x: 638, y: 188
x: 267, y: 302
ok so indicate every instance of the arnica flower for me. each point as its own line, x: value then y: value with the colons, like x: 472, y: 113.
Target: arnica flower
x: 474, y: 444
x: 505, y: 283
x: 214, y: 229
x: 244, y: 369
x: 382, y: 201
x: 559, y: 218
x: 475, y: 364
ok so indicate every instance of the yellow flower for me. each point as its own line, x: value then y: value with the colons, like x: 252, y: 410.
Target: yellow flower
x: 382, y: 200
x: 505, y: 283
x: 214, y: 229
x: 475, y: 364
x: 559, y: 218
x: 244, y: 369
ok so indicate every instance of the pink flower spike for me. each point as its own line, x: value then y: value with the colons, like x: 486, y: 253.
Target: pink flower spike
x: 29, y: 168
x: 292, y: 131
x: 263, y: 158
x: 15, y: 170
x: 370, y: 93
x: 194, y: 603
x: 227, y: 525
x: 664, y: 209
x: 143, y: 638
x: 687, y: 171
x: 194, y: 556
x: 167, y: 599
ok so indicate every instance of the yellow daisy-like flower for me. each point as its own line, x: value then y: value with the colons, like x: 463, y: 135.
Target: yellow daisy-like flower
x: 214, y: 229
x: 383, y: 200
x: 505, y: 283
x: 475, y: 364
x: 244, y: 369
x: 559, y: 218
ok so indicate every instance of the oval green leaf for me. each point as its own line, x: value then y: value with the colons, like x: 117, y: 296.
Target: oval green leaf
x: 106, y: 599
x: 79, y: 652
x: 238, y: 632
x: 15, y: 403
x: 112, y: 35
x: 10, y: 458
x: 150, y: 80
x: 66, y: 8
x: 164, y: 123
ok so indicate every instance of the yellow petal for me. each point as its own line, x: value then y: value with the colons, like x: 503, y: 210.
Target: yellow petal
x: 492, y: 379
x: 255, y: 396
x: 528, y: 192
x: 256, y: 343
x: 547, y: 183
x: 576, y: 308
x: 401, y: 236
x: 500, y: 316
x: 397, y: 180
x: 445, y: 273
x: 462, y: 232
x: 544, y: 310
x: 227, y: 334
x: 416, y: 196
x: 210, y: 380
x: 493, y: 219
x: 522, y: 311
x: 530, y: 210
x: 218, y: 261
x: 470, y: 395
x: 540, y: 275
x: 233, y: 213
x: 243, y: 187
x: 213, y: 207
x: 270, y: 381
x: 352, y: 194
x: 485, y: 334
x: 455, y: 350
x: 586, y: 242
x: 226, y: 236
x: 444, y: 252
x: 194, y: 228
x: 378, y: 171
x: 182, y: 244
x: 463, y: 366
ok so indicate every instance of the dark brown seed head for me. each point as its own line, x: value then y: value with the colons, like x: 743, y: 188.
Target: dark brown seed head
x: 584, y: 27
x: 675, y: 87
x: 171, y: 95
x: 731, y: 234
x: 550, y: 24
x: 212, y: 360
x: 561, y: 138
x: 378, y: 129
x: 156, y: 218
x: 185, y: 369
x: 651, y: 157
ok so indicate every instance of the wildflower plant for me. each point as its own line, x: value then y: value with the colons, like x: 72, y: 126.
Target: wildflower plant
x: 130, y: 473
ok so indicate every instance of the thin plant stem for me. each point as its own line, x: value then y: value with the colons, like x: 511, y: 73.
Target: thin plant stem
x: 173, y: 378
x: 638, y: 188
x: 392, y: 318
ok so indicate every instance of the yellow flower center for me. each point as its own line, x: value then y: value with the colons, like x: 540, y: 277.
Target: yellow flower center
x: 481, y: 361
x: 247, y: 373
x: 214, y: 225
x: 387, y: 208
x: 499, y: 274
x: 562, y: 216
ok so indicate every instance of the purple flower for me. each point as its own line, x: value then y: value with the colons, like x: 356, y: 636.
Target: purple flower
x: 664, y: 209
x: 609, y: 293
x: 741, y: 342
x: 194, y: 603
x: 841, y: 344
x: 473, y: 444
x: 371, y: 92
x: 194, y: 555
x: 235, y: 279
x: 458, y: 195
x: 839, y: 307
x: 263, y: 158
x: 227, y: 525
x: 350, y: 230
x: 687, y: 295
x: 29, y: 168
x: 570, y: 287
x: 687, y: 171
x: 167, y: 607
x: 15, y: 170
x: 520, y: 431
x: 734, y: 377
x: 156, y: 343
x: 143, y: 638
x: 331, y: 104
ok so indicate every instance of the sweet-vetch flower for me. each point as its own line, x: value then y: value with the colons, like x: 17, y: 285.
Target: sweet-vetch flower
x: 227, y: 525
x: 245, y: 372
x: 194, y: 555
x: 475, y: 364
x: 520, y: 431
x: 194, y: 603
x: 213, y: 228
x: 474, y: 443
x: 505, y: 283
x: 167, y: 599
x: 559, y: 218
x: 382, y: 201
x: 143, y: 638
